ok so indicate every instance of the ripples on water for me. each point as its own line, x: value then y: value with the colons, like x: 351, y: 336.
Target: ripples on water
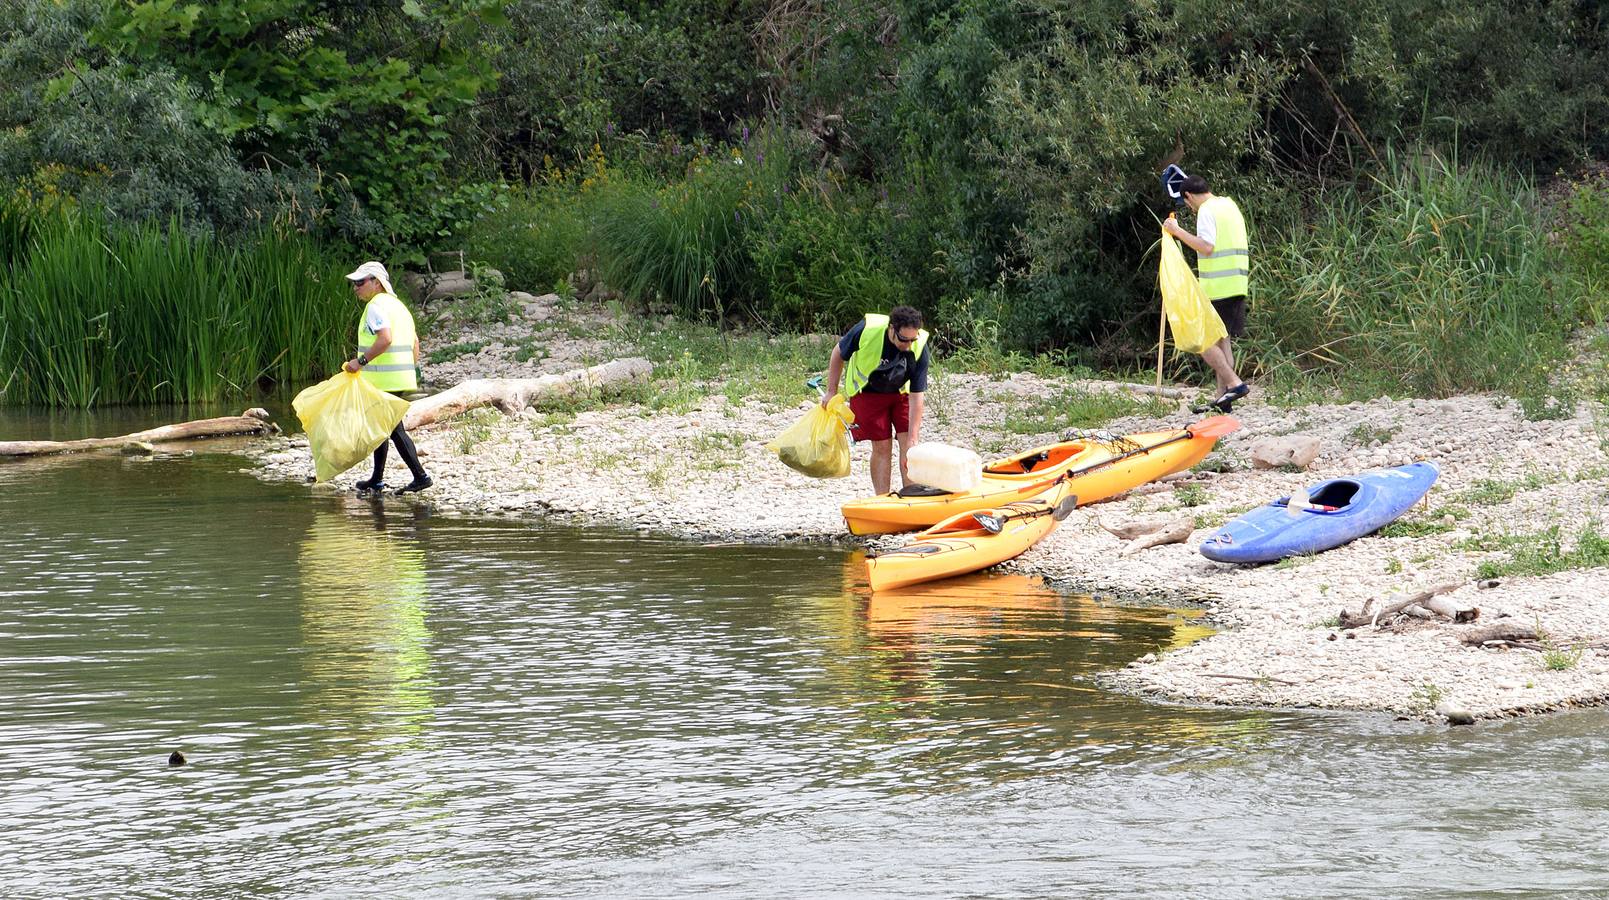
x: 377, y: 701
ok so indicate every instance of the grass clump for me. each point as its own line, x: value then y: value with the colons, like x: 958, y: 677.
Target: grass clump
x: 1190, y: 494
x: 1544, y: 553
x: 473, y: 428
x: 1365, y: 435
x: 1075, y: 408
x: 454, y: 351
x: 1414, y: 528
x: 1426, y: 697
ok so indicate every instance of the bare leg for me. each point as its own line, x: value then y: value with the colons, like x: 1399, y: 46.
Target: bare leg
x: 882, y: 464
x: 1218, y: 358
x: 904, y: 448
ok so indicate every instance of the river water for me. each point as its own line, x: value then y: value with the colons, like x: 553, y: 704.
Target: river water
x: 374, y: 700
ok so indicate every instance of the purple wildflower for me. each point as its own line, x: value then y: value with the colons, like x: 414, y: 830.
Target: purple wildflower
x: 759, y: 157
x: 745, y: 134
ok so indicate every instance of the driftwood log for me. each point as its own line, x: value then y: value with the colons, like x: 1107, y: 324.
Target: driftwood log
x: 252, y: 421
x: 1175, y: 532
x: 1170, y: 393
x: 511, y: 395
x: 1515, y: 632
x: 1427, y: 603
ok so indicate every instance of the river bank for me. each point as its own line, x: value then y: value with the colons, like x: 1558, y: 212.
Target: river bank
x: 698, y: 468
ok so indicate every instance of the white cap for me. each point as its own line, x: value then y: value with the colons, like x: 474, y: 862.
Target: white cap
x: 372, y: 269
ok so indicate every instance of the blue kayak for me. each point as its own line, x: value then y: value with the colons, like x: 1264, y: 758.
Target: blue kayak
x: 1337, y: 511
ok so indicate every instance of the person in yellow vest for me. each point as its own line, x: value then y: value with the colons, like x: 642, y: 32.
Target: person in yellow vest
x: 1223, y: 260
x: 388, y: 350
x: 882, y: 361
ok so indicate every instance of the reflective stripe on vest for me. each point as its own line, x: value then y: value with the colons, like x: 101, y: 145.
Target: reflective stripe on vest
x: 392, y: 370
x: 868, y: 355
x: 1226, y: 271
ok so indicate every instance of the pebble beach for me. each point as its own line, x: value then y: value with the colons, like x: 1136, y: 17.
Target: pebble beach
x: 703, y: 472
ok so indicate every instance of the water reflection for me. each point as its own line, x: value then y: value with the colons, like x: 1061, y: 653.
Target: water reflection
x: 643, y: 717
x: 367, y: 644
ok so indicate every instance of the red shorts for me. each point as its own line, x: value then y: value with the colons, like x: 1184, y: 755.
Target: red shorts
x: 875, y: 413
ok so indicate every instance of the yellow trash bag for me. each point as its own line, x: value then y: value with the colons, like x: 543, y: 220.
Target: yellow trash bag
x: 346, y: 418
x: 818, y: 444
x: 1191, y: 318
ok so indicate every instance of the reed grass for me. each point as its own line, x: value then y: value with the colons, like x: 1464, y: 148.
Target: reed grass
x: 95, y: 315
x: 1437, y: 279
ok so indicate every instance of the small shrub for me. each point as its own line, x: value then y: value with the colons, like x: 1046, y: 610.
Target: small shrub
x: 1426, y: 697
x: 1190, y: 494
x: 454, y: 351
x: 1365, y: 434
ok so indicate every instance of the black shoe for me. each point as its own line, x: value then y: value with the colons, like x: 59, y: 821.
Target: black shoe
x: 369, y: 485
x: 416, y: 485
x: 1226, y: 402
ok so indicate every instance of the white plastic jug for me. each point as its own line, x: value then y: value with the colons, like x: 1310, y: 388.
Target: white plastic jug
x: 944, y: 467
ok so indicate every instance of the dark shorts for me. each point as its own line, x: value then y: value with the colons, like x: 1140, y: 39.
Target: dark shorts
x: 1233, y: 311
x: 879, y: 416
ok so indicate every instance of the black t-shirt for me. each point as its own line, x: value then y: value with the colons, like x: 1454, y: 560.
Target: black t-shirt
x: 898, y: 366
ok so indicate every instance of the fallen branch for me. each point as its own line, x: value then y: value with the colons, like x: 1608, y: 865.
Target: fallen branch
x: 1131, y: 530
x: 1512, y: 632
x: 1444, y: 608
x: 252, y: 421
x: 1250, y: 678
x: 511, y: 395
x: 1175, y: 532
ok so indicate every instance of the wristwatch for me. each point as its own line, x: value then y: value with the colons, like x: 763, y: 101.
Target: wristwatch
x: 362, y: 360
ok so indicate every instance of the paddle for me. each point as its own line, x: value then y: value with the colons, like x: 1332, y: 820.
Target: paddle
x: 994, y: 524
x: 1214, y: 427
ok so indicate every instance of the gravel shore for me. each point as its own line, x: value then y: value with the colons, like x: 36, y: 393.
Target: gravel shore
x: 705, y: 474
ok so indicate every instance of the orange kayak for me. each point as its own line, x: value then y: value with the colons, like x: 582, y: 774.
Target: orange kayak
x: 971, y: 540
x: 1095, y: 470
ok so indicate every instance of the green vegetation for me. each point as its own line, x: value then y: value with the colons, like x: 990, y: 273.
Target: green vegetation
x: 1543, y: 553
x: 1190, y: 494
x: 1365, y: 434
x: 1076, y: 408
x: 91, y: 314
x: 1415, y: 528
x: 787, y: 167
x: 474, y: 428
x: 454, y: 351
x: 1426, y: 697
x: 1492, y: 492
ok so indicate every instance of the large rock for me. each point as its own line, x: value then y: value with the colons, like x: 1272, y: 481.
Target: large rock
x: 1295, y: 450
x: 429, y: 286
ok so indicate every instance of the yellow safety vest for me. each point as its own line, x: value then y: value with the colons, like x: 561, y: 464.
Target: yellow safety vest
x: 868, y: 355
x: 392, y: 370
x: 1226, y: 271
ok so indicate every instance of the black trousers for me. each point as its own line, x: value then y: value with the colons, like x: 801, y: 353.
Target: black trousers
x: 410, y: 456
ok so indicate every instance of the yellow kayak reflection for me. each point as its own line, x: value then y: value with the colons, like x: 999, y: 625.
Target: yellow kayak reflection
x: 363, y: 624
x: 999, y: 605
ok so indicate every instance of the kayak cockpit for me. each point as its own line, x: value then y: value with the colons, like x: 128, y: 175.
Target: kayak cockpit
x: 1339, y: 494
x: 1037, y: 460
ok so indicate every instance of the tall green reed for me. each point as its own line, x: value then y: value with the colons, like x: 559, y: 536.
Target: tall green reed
x: 1433, y: 280
x: 93, y: 314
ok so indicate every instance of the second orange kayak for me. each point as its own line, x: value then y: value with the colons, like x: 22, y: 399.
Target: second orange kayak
x: 971, y: 541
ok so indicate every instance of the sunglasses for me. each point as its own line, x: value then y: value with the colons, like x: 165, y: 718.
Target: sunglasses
x: 902, y: 339
x: 362, y: 281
